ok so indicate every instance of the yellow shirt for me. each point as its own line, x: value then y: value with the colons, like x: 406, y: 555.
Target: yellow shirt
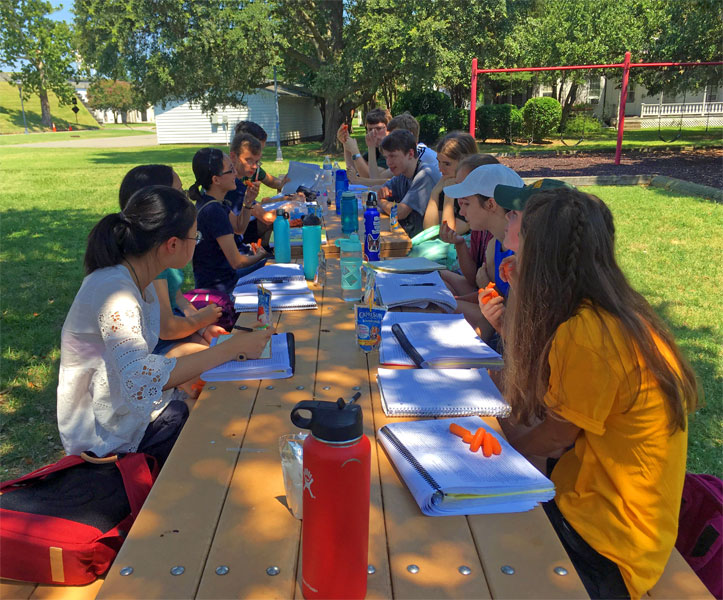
x: 620, y: 487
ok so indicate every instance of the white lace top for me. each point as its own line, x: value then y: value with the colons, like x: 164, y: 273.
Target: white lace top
x: 110, y: 385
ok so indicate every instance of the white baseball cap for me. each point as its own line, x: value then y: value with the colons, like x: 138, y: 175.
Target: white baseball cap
x: 483, y: 180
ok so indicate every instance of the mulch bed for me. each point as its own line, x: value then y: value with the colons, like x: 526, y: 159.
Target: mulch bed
x: 704, y: 167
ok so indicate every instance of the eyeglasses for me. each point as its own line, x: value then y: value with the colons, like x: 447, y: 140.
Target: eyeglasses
x: 376, y: 128
x: 222, y: 173
x: 198, y: 237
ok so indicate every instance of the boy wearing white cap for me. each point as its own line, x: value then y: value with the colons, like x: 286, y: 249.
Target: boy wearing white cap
x: 475, y: 195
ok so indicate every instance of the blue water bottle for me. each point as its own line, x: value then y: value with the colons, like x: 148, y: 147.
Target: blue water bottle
x: 341, y: 186
x: 371, y: 228
x: 282, y: 241
x: 311, y: 240
x: 349, y: 213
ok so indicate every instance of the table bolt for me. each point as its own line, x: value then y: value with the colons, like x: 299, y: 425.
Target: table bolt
x: 179, y: 570
x: 413, y: 569
x: 212, y: 442
x: 299, y: 387
x: 508, y: 570
x: 243, y: 387
x: 211, y: 387
x: 560, y: 571
x: 269, y: 387
x: 326, y: 387
x: 464, y: 570
x: 356, y: 388
x: 222, y: 570
x: 125, y: 571
x: 273, y: 571
x: 371, y: 569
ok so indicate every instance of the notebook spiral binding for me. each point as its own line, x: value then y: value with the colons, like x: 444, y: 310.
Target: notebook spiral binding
x: 411, y: 460
x: 447, y: 411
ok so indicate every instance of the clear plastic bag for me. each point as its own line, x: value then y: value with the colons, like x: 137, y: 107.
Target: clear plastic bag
x: 291, y: 449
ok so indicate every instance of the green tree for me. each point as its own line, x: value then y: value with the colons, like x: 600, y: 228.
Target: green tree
x: 579, y: 32
x: 686, y: 31
x: 39, y: 49
x: 211, y: 52
x: 116, y: 96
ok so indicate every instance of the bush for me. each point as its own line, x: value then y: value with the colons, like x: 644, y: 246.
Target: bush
x: 458, y: 120
x: 581, y: 126
x: 425, y: 103
x: 541, y: 117
x: 502, y: 121
x: 429, y: 126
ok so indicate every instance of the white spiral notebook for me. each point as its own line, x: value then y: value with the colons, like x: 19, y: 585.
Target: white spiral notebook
x: 439, y: 393
x: 275, y: 272
x: 390, y: 352
x: 418, y: 290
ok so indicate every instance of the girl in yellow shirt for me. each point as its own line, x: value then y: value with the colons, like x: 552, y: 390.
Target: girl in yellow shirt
x: 595, y: 378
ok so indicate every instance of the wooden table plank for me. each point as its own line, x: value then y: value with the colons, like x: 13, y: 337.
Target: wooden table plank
x: 16, y: 590
x: 64, y: 592
x: 679, y: 581
x: 256, y: 530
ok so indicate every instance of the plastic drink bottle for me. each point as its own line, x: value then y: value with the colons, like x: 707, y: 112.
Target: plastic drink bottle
x: 328, y: 177
x: 335, y: 533
x: 393, y: 219
x: 350, y: 261
x: 349, y: 213
x: 311, y: 243
x: 371, y: 228
x: 282, y: 241
x: 342, y: 185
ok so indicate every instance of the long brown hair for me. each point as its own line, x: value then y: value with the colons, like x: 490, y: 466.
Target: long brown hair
x: 567, y: 258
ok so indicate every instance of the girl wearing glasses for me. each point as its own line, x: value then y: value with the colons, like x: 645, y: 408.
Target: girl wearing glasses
x: 114, y: 394
x: 219, y: 262
x: 184, y: 329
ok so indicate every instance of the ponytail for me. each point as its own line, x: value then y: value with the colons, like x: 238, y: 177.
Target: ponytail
x: 153, y: 215
x: 194, y: 192
x: 207, y: 163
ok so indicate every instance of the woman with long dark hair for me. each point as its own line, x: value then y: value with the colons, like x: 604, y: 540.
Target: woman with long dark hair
x: 218, y: 262
x: 114, y: 394
x: 594, y: 377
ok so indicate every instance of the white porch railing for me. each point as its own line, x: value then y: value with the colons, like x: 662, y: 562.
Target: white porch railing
x: 678, y: 109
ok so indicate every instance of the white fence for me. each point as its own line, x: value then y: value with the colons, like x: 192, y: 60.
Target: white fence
x: 689, y: 114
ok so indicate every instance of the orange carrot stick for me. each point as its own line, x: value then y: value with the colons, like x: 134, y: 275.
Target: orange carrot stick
x: 461, y: 432
x: 496, y: 447
x: 477, y: 440
x: 488, y: 444
x: 488, y: 292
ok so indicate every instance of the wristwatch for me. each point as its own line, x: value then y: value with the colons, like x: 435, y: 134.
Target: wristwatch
x: 355, y: 156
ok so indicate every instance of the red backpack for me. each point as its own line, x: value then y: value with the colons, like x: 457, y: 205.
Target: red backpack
x: 700, y: 528
x: 64, y: 523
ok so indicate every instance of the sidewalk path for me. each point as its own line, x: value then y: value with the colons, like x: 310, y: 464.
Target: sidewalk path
x: 108, y: 142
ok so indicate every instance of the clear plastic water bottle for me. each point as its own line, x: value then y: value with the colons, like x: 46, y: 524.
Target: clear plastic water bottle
x: 342, y: 185
x: 328, y: 178
x: 350, y: 261
x: 282, y: 240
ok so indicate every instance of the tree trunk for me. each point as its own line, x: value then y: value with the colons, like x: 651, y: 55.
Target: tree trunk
x: 46, y: 118
x: 333, y: 118
x: 567, y: 106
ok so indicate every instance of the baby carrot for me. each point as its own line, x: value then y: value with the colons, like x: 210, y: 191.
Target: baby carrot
x: 505, y: 270
x: 477, y: 440
x: 461, y: 432
x: 488, y: 445
x: 496, y: 447
x: 345, y: 127
x: 488, y: 292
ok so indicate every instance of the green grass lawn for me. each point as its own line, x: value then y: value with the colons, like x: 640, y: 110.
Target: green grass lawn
x: 11, y: 116
x: 670, y: 247
x: 15, y: 139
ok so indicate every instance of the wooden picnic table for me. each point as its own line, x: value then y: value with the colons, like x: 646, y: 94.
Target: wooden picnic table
x: 216, y: 524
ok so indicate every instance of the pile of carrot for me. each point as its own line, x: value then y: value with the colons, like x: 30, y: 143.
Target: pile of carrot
x: 481, y: 439
x: 488, y: 292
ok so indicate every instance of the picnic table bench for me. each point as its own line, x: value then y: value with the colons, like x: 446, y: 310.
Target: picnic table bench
x: 216, y: 524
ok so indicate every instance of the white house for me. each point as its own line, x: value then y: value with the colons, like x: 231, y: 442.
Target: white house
x: 182, y: 122
x: 107, y: 116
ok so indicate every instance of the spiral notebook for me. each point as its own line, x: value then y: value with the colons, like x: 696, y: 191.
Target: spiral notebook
x: 390, y: 352
x: 417, y: 290
x: 273, y: 273
x: 406, y: 264
x: 445, y: 478
x: 280, y: 365
x: 439, y: 393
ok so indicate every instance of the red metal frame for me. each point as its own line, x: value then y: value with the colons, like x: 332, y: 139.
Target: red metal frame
x: 626, y: 65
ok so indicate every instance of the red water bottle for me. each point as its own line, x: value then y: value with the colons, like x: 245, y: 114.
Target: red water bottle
x: 335, y: 535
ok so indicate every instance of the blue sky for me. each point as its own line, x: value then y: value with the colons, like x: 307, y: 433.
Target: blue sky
x: 64, y: 14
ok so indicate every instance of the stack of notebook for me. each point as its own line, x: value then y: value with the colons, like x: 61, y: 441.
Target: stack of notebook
x: 279, y: 365
x: 441, y: 340
x: 276, y: 273
x: 407, y: 264
x: 417, y: 290
x: 289, y: 290
x: 445, y: 478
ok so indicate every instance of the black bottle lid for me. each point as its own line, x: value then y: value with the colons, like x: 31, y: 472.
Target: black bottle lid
x: 372, y: 199
x: 330, y: 421
x: 279, y: 212
x: 311, y: 220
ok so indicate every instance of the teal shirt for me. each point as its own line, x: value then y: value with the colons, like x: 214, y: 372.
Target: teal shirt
x: 174, y: 278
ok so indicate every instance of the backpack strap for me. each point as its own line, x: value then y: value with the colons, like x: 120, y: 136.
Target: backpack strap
x: 64, y: 463
x: 138, y: 478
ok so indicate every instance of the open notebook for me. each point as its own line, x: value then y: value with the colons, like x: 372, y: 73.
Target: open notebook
x: 439, y: 393
x: 273, y: 273
x: 445, y: 478
x: 407, y: 264
x: 390, y: 352
x: 446, y: 345
x: 280, y: 366
x: 301, y: 300
x: 417, y: 290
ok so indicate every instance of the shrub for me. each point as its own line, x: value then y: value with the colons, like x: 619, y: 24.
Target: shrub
x: 502, y: 121
x: 582, y: 126
x: 541, y: 117
x: 429, y: 126
x: 425, y: 103
x: 458, y: 120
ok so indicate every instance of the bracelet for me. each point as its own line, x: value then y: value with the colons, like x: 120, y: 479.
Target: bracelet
x: 248, y: 206
x: 355, y: 156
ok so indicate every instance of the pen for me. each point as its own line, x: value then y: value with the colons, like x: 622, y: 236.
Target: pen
x: 240, y: 328
x: 417, y: 284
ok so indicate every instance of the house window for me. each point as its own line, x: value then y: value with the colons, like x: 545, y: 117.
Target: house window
x: 712, y: 97
x: 594, y: 88
x: 546, y: 91
x: 631, y: 94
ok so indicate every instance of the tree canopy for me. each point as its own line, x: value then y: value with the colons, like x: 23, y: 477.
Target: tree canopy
x: 39, y: 50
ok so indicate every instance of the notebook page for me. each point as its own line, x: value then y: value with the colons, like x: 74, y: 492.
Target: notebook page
x: 395, y: 289
x: 249, y: 302
x: 407, y: 264
x: 437, y: 392
x: 254, y: 369
x: 275, y: 272
x: 276, y: 288
x: 390, y: 351
x: 447, y: 342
